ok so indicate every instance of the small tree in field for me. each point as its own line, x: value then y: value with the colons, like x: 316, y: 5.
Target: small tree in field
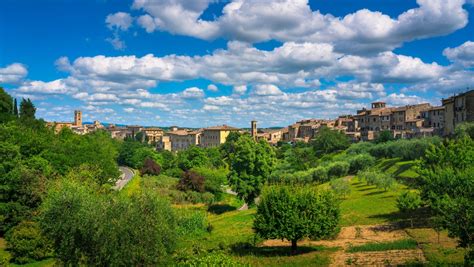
x: 294, y: 213
x: 408, y: 202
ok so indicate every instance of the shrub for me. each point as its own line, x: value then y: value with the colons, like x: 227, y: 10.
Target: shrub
x: 338, y: 169
x: 27, y: 244
x: 341, y: 187
x: 213, y: 179
x: 384, y: 181
x: 320, y: 174
x: 150, y: 167
x: 174, y: 172
x: 190, y: 221
x: 360, y: 162
x: 190, y: 180
x: 360, y: 148
x: 208, y: 198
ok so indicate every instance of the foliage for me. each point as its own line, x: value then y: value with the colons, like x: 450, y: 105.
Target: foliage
x: 211, y: 259
x: 341, y: 187
x: 190, y: 222
x: 408, y: 201
x: 384, y: 136
x: 338, y: 169
x: 299, y: 158
x: 5, y: 106
x: 27, y: 243
x: 380, y: 179
x: 293, y: 213
x: 150, y: 167
x: 392, y: 245
x: 360, y: 162
x: 192, y: 157
x: 90, y: 228
x: 328, y: 141
x: 447, y: 172
x: 27, y: 109
x: 191, y: 180
x: 214, y: 179
x: 465, y: 129
x: 250, y: 164
x: 320, y: 174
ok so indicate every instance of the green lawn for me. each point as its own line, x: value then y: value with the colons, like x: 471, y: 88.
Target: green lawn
x: 367, y: 204
x: 393, y: 245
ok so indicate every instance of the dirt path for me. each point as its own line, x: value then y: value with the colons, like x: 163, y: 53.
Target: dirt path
x: 359, y: 235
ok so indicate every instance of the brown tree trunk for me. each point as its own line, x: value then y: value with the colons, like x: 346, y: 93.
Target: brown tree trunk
x: 293, y: 246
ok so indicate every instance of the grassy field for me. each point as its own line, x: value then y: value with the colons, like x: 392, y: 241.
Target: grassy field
x: 393, y: 245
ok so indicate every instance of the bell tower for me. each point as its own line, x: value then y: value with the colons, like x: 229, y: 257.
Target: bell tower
x: 253, y: 132
x: 78, y: 118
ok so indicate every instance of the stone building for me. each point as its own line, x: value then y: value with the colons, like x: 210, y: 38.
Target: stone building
x: 78, y: 118
x: 183, y: 139
x: 458, y: 109
x: 164, y: 143
x: 153, y: 134
x: 216, y: 135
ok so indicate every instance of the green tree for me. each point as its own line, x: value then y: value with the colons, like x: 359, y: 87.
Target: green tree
x: 341, y: 187
x: 447, y: 173
x: 27, y: 243
x: 465, y: 129
x: 293, y: 213
x: 328, y: 141
x: 27, y: 109
x: 192, y: 157
x: 106, y: 229
x: 5, y: 106
x: 15, y: 108
x: 384, y: 136
x: 250, y: 164
x: 408, y: 202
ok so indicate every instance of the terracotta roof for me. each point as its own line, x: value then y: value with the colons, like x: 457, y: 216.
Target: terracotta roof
x: 437, y: 108
x: 221, y: 128
x: 152, y: 129
x: 178, y: 132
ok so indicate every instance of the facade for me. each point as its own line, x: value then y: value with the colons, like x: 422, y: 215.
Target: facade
x: 215, y: 136
x: 183, y: 139
x: 458, y: 109
x: 153, y: 134
x: 164, y: 143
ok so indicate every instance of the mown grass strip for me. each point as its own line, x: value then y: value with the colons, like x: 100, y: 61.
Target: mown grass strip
x: 394, y: 245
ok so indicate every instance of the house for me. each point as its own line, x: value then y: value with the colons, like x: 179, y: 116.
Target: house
x: 216, y: 135
x: 458, y: 109
x: 183, y: 139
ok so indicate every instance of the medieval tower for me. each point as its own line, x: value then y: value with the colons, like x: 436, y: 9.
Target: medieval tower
x: 254, y: 129
x: 78, y: 118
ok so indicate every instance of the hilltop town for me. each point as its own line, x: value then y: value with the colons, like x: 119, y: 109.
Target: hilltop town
x: 410, y: 121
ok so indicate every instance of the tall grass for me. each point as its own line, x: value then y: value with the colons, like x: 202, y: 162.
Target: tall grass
x: 394, y: 245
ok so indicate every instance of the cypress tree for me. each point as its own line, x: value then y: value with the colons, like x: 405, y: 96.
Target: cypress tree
x: 15, y: 108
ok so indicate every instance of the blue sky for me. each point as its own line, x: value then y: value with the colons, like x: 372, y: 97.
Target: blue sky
x: 207, y: 62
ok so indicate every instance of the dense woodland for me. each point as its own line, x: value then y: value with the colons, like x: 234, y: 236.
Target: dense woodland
x: 57, y: 199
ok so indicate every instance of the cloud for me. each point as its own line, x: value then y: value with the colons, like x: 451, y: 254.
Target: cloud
x: 239, y: 89
x: 192, y: 93
x: 53, y: 87
x: 212, y: 87
x: 13, y: 73
x: 361, y: 32
x: 119, y: 21
x: 463, y: 54
x: 116, y: 42
x: 266, y: 90
x: 403, y: 100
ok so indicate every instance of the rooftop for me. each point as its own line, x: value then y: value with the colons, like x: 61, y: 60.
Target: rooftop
x: 221, y: 128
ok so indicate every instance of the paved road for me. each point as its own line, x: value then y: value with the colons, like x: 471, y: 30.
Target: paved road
x: 125, y: 177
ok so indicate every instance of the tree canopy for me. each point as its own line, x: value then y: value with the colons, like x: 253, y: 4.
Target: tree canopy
x: 293, y: 213
x: 328, y: 141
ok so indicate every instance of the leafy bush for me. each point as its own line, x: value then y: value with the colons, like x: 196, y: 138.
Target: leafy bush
x: 341, y: 187
x: 320, y: 174
x: 150, y: 167
x: 338, y: 169
x: 190, y: 180
x: 27, y: 244
x: 213, y: 179
x: 90, y: 228
x: 408, y: 201
x: 360, y: 162
x: 174, y: 172
x: 360, y: 148
x: 190, y: 222
x: 405, y: 149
